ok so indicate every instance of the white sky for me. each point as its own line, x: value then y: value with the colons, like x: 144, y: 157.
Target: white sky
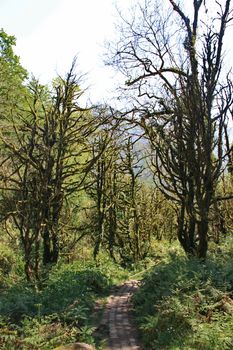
x: 50, y: 33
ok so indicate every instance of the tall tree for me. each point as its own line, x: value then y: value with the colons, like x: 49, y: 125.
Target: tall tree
x: 181, y: 99
x: 121, y: 214
x: 101, y: 185
x: 47, y: 158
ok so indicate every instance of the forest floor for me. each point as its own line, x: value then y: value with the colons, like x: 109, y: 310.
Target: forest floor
x: 116, y: 329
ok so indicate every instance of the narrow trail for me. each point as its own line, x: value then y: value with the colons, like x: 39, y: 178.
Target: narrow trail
x: 121, y: 333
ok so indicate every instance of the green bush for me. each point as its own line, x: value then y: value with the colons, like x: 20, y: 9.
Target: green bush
x: 185, y: 304
x: 70, y: 283
x: 58, y: 313
x: 11, y: 266
x: 7, y: 261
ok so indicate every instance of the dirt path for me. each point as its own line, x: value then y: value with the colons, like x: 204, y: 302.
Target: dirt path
x: 117, y: 319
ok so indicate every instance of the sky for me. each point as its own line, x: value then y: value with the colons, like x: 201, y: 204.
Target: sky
x: 50, y: 33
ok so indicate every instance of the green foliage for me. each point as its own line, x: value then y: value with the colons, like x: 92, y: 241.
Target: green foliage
x: 57, y: 313
x: 114, y: 272
x: 6, y: 43
x: 70, y: 283
x: 126, y: 214
x: 12, y: 75
x: 45, y: 145
x: 10, y: 265
x: 186, y: 304
x: 17, y: 301
x: 6, y: 260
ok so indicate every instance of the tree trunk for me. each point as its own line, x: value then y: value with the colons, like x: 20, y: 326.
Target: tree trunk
x: 203, y: 238
x: 47, y: 252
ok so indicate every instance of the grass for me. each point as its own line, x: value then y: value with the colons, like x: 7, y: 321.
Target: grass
x: 185, y: 304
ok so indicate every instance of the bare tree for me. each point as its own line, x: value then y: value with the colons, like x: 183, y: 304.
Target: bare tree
x: 181, y: 99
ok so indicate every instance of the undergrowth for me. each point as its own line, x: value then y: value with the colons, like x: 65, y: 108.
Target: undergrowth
x: 59, y: 312
x: 185, y: 304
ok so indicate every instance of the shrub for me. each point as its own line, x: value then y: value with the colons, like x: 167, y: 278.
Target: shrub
x: 58, y: 313
x: 185, y: 304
